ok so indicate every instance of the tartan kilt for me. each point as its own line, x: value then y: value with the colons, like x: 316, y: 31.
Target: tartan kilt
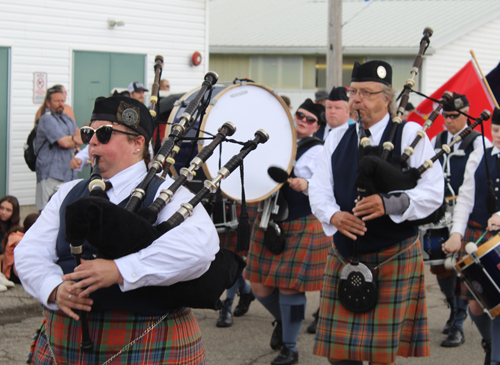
x: 397, y: 326
x: 472, y: 233
x: 300, y: 266
x: 176, y: 340
x: 229, y: 238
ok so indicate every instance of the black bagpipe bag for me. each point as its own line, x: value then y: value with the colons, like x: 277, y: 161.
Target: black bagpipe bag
x: 117, y: 232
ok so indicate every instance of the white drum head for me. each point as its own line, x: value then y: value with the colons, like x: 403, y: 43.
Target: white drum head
x: 251, y: 107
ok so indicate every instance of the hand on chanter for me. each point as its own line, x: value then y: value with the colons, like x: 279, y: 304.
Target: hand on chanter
x: 348, y: 224
x: 67, y: 301
x: 369, y: 208
x: 93, y: 275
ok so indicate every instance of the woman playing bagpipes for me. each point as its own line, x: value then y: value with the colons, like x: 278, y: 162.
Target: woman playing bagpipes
x: 127, y: 321
x: 394, y: 322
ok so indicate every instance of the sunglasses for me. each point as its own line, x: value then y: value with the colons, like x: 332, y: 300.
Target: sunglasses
x: 451, y: 116
x: 103, y: 133
x: 309, y: 120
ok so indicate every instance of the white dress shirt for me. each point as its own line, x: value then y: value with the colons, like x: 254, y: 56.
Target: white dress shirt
x: 183, y: 253
x: 308, y: 163
x: 466, y: 194
x: 477, y: 143
x: 425, y: 198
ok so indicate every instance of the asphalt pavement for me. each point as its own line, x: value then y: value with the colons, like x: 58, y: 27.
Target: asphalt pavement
x: 247, y: 341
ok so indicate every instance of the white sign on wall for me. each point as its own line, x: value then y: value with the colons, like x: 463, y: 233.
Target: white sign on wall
x: 39, y: 87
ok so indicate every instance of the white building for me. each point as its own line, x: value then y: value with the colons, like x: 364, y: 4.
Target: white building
x: 282, y: 43
x: 73, y: 43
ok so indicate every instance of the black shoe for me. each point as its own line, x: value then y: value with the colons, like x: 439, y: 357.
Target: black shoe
x: 243, y: 304
x: 454, y: 339
x: 447, y: 326
x: 225, y: 317
x: 312, y: 327
x: 486, y: 345
x: 451, y: 319
x: 277, y: 336
x: 286, y: 357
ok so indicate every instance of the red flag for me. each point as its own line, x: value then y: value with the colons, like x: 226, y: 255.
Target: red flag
x: 466, y: 82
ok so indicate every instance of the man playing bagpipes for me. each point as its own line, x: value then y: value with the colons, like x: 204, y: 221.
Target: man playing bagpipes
x: 128, y: 320
x: 393, y: 322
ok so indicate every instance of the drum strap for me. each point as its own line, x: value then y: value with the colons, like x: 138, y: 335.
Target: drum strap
x: 244, y: 229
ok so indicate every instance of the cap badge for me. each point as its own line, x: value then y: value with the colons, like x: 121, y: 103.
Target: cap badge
x: 459, y: 103
x: 381, y: 72
x: 128, y: 114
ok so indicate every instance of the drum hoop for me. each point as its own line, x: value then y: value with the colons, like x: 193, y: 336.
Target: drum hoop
x: 481, y: 251
x: 290, y: 119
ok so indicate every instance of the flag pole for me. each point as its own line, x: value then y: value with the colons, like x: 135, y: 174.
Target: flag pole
x: 484, y: 78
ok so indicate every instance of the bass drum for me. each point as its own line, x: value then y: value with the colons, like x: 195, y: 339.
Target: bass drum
x: 249, y: 106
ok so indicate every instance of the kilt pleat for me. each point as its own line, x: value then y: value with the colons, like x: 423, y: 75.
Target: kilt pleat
x: 397, y: 326
x: 300, y: 266
x: 176, y: 340
x: 472, y: 234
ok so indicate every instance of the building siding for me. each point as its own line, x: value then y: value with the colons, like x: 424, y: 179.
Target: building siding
x: 43, y: 35
x: 450, y: 58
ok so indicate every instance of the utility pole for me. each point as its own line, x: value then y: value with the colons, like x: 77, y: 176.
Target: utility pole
x: 334, y: 47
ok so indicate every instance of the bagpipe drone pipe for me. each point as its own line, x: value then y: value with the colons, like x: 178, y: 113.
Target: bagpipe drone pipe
x: 117, y: 231
x: 380, y: 174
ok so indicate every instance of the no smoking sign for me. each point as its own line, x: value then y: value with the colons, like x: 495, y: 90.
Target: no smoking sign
x: 39, y: 86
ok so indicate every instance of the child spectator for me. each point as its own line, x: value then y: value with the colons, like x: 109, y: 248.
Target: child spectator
x: 9, y: 242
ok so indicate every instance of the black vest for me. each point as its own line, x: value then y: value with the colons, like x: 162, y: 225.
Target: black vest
x: 381, y: 232
x: 457, y: 163
x: 142, y: 301
x: 298, y: 202
x: 480, y: 211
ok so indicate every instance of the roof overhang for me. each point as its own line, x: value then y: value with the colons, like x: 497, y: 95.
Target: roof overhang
x: 397, y: 51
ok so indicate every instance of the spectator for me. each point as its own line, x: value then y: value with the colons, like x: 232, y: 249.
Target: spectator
x: 321, y: 96
x: 287, y: 101
x: 9, y: 214
x: 9, y: 242
x: 56, y: 138
x: 67, y: 109
x: 164, y: 85
x: 136, y: 90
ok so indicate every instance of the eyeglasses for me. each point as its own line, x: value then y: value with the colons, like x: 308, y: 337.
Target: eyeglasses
x: 451, y: 116
x: 363, y: 94
x: 103, y: 133
x: 309, y: 119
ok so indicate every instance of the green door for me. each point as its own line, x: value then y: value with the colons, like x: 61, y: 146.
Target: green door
x: 97, y: 73
x: 4, y: 93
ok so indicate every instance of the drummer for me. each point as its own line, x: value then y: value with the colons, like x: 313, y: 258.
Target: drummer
x: 455, y: 123
x: 279, y: 281
x: 470, y: 220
